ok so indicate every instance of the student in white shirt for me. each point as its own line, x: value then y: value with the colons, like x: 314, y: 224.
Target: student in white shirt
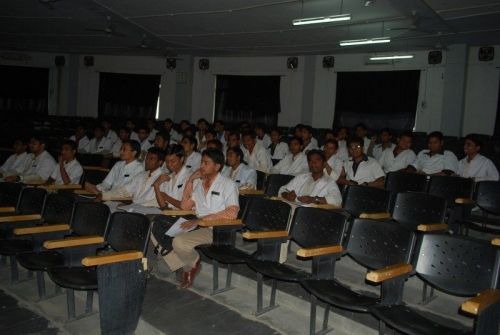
x: 277, y: 149
x: 193, y: 158
x: 342, y: 136
x: 262, y: 137
x: 334, y: 164
x: 221, y: 132
x: 143, y: 134
x: 233, y: 140
x: 313, y: 187
x: 310, y: 142
x: 256, y: 155
x: 168, y: 127
x: 69, y: 170
x: 80, y: 138
x: 109, y: 133
x: 295, y: 162
x: 361, y: 130
x: 130, y: 124
x: 375, y: 150
x: 398, y: 158
x: 40, y: 164
x: 435, y: 160
x: 475, y: 165
x: 361, y: 169
x: 124, y: 135
x: 210, y: 135
x: 202, y: 126
x: 328, y: 135
x: 244, y: 176
x: 17, y: 162
x: 123, y: 171
x: 99, y: 144
x: 151, y: 124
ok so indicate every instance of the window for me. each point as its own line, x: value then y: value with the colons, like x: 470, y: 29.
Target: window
x: 378, y: 99
x: 254, y: 99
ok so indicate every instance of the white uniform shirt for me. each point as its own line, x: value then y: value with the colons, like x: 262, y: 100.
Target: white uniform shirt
x: 390, y: 163
x: 115, y: 150
x: 222, y: 194
x: 82, y: 143
x: 177, y: 183
x: 368, y: 170
x: 313, y: 144
x: 111, y: 136
x: 436, y: 163
x: 174, y: 136
x: 280, y: 151
x: 366, y: 144
x: 73, y: 169
x: 265, y: 141
x: 342, y: 152
x: 145, y: 145
x: 15, y: 164
x: 336, y: 164
x: 152, y: 134
x: 120, y: 175
x: 259, y: 159
x: 304, y: 184
x: 292, y: 165
x: 378, y: 150
x: 193, y: 161
x: 39, y: 168
x: 99, y: 146
x: 479, y: 168
x: 243, y: 176
x: 134, y: 136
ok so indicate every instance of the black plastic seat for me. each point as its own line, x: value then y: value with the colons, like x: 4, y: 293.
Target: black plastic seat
x: 487, y: 198
x: 415, y: 208
x: 94, y: 176
x: 397, y: 182
x: 364, y: 199
x: 454, y: 264
x: 261, y: 179
x: 9, y: 193
x: 90, y: 159
x: 274, y: 182
x: 77, y: 278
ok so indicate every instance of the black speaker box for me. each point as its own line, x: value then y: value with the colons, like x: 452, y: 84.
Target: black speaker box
x: 328, y: 62
x: 292, y: 63
x: 435, y: 57
x: 204, y: 64
x: 486, y: 54
x: 59, y: 60
x: 88, y: 61
x: 171, y: 63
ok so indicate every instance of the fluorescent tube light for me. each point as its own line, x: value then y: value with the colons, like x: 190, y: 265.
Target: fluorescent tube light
x: 391, y: 57
x: 365, y: 41
x: 322, y: 19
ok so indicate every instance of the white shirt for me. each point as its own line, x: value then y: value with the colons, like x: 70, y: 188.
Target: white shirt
x: 222, y: 194
x: 390, y: 163
x: 265, y: 141
x: 39, y: 167
x: 304, y: 184
x: 152, y: 134
x: 479, y: 168
x: 99, y: 146
x: 280, y: 151
x: 336, y: 164
x: 193, y: 161
x: 177, y: 183
x: 366, y: 144
x: 259, y: 159
x: 313, y: 144
x: 342, y: 152
x: 243, y: 176
x: 134, y: 136
x: 73, y: 169
x: 115, y: 150
x: 145, y: 145
x: 378, y: 150
x: 111, y: 136
x: 120, y: 175
x: 15, y: 164
x: 436, y: 163
x: 292, y: 165
x: 368, y: 170
x: 174, y: 136
x: 82, y: 143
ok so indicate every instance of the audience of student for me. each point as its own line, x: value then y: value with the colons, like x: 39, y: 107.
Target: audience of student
x: 474, y: 165
x: 310, y: 142
x: 130, y: 124
x: 342, y: 137
x: 244, y: 176
x: 334, y: 163
x: 221, y: 133
x: 18, y: 162
x: 69, y: 170
x: 376, y: 150
x: 256, y: 155
x: 193, y: 158
x: 435, y: 160
x: 295, y: 162
x: 277, y: 149
x: 80, y: 138
x: 99, y: 144
x: 360, y: 130
x: 168, y: 127
x: 262, y: 137
x: 151, y: 125
x: 123, y: 135
x: 109, y: 133
x: 399, y: 157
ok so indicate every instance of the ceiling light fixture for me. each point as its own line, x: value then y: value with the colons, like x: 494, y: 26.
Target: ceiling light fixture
x: 322, y: 19
x: 391, y: 57
x: 364, y: 41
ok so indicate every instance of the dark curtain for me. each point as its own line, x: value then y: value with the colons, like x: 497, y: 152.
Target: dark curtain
x: 24, y: 91
x: 385, y: 99
x: 248, y: 98
x: 128, y: 95
x: 497, y: 121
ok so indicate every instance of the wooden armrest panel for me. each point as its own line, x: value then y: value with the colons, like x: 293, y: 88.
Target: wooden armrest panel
x: 174, y: 212
x: 40, y: 230
x: 7, y: 209
x: 388, y: 272
x: 118, y: 199
x: 464, y: 201
x: 496, y: 241
x: 481, y: 301
x: 325, y: 206
x: 432, y: 227
x: 120, y: 256
x: 221, y: 222
x: 17, y: 218
x: 318, y: 251
x: 63, y: 187
x: 34, y: 183
x: 83, y: 192
x: 72, y: 242
x: 255, y: 235
x: 251, y: 192
x: 375, y: 216
x: 95, y: 168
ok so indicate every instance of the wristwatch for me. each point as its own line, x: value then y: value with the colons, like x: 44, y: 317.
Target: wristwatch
x: 316, y: 199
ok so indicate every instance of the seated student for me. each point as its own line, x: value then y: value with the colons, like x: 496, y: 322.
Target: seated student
x: 313, y: 187
x: 334, y: 164
x: 80, y: 138
x: 151, y: 124
x: 17, y: 162
x: 40, y: 164
x: 295, y: 162
x: 99, y: 144
x: 123, y: 135
x: 329, y: 135
x: 69, y: 170
x: 310, y: 142
x: 109, y: 133
x: 221, y: 132
x: 475, y: 165
x: 143, y: 134
x: 277, y: 149
x: 376, y: 150
x: 399, y: 157
x: 123, y: 171
x: 202, y: 126
x: 361, y: 169
x: 435, y: 160
x: 361, y: 131
x: 342, y: 137
x: 130, y: 124
x: 262, y: 137
x: 210, y: 135
x: 214, y: 197
x: 170, y: 186
x: 244, y: 176
x: 256, y: 155
x: 193, y: 158
x: 168, y: 127
x: 140, y: 187
x: 233, y: 140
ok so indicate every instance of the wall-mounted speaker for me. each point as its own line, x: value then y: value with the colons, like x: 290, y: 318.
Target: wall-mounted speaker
x: 292, y: 63
x: 88, y: 61
x: 435, y: 57
x: 486, y: 54
x: 171, y: 63
x: 59, y: 60
x: 204, y: 64
x: 328, y: 62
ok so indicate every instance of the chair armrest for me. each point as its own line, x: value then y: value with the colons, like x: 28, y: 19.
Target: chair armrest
x: 83, y: 192
x: 464, y: 201
x: 34, y: 182
x: 484, y: 299
x: 432, y: 227
x: 389, y: 272
x: 325, y: 206
x: 72, y: 242
x: 95, y: 168
x: 121, y: 256
x: 251, y: 192
x: 41, y: 230
x: 7, y: 209
x: 375, y: 216
x: 63, y: 187
x: 256, y: 235
x: 17, y: 218
x: 118, y: 198
x: 319, y: 251
x: 174, y: 212
x: 496, y: 241
x: 220, y: 222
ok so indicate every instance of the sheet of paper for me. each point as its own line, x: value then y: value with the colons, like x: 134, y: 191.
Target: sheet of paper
x: 176, y: 228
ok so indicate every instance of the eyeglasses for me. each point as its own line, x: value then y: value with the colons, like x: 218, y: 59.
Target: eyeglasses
x: 355, y: 146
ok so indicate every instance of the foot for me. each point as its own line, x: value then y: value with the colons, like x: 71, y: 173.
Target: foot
x: 188, y: 277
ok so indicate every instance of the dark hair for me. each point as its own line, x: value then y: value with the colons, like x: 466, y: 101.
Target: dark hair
x: 158, y: 152
x: 71, y: 144
x: 406, y: 134
x: 356, y: 139
x: 134, y: 145
x: 211, y: 131
x: 22, y: 139
x: 318, y: 152
x: 39, y: 137
x: 361, y: 125
x: 475, y: 139
x: 386, y: 130
x: 261, y: 126
x: 142, y: 126
x: 329, y: 131
x: 127, y: 130
x: 191, y: 140
x: 215, y: 155
x: 237, y: 151
x: 332, y: 141
x: 435, y: 134
x: 309, y: 129
x: 250, y: 133
x: 175, y: 149
x: 203, y: 121
x: 298, y: 139
x: 220, y: 122
x: 101, y: 128
x: 168, y: 120
x: 234, y: 133
x: 218, y: 144
x: 164, y: 135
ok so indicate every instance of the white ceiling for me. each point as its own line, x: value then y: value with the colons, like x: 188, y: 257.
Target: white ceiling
x: 240, y: 27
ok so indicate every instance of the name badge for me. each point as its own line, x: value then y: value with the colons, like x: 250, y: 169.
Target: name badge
x: 127, y: 175
x: 179, y: 186
x: 188, y: 166
x: 237, y: 181
x: 215, y: 193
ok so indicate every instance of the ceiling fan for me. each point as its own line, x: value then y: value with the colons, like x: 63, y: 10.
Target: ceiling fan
x: 109, y: 29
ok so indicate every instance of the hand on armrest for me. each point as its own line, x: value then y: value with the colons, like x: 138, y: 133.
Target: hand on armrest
x: 41, y: 230
x: 73, y: 242
x: 17, y: 218
x: 255, y: 235
x: 464, y: 201
x: 432, y: 227
x: 483, y: 300
x: 220, y: 222
x: 319, y: 251
x: 376, y: 216
x: 389, y: 272
x: 115, y: 257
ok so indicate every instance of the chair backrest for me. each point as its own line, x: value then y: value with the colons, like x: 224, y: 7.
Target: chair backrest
x: 450, y: 188
x: 377, y: 244
x: 9, y: 193
x: 90, y: 218
x: 488, y: 196
x: 94, y: 176
x: 90, y: 159
x: 414, y: 208
x: 261, y: 178
x: 358, y: 199
x: 457, y: 264
x: 128, y: 231
x: 396, y: 182
x: 31, y: 200
x: 266, y: 214
x: 274, y: 182
x: 316, y: 227
x: 58, y: 208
